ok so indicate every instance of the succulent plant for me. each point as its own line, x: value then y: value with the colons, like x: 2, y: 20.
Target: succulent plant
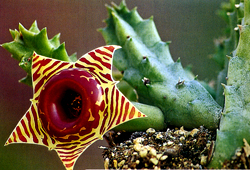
x: 148, y: 67
x: 76, y: 101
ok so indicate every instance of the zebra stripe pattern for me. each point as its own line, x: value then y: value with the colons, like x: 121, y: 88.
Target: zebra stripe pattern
x: 114, y: 108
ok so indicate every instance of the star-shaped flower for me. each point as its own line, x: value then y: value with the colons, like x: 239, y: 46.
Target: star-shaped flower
x: 74, y: 104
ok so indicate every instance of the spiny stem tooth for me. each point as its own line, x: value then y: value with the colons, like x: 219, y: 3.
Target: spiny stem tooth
x: 240, y: 27
x: 223, y: 85
x: 228, y: 57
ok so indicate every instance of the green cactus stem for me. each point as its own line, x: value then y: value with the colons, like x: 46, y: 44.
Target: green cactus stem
x: 226, y: 46
x: 25, y: 42
x: 234, y: 124
x: 147, y: 66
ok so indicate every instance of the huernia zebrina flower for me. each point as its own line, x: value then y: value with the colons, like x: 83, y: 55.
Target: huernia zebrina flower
x: 73, y: 105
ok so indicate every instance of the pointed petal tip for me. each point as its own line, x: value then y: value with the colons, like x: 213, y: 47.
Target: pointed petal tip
x: 111, y: 48
x: 117, y: 46
x: 7, y: 143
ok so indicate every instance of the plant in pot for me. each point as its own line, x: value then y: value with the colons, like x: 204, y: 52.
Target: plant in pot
x: 76, y: 101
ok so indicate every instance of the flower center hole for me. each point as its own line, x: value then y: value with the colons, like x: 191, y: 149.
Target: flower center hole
x: 72, y: 104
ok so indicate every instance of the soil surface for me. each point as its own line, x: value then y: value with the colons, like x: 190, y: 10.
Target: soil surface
x: 174, y: 148
x: 171, y: 149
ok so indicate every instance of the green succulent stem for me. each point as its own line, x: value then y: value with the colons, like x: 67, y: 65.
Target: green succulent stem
x: 26, y: 42
x: 247, y: 12
x: 234, y: 124
x: 148, y: 67
x: 225, y: 47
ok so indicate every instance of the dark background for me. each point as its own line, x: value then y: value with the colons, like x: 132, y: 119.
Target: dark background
x: 191, y: 25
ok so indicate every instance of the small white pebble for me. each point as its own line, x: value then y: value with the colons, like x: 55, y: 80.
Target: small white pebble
x: 203, y: 160
x: 197, y: 166
x: 238, y: 153
x: 143, y: 152
x: 135, y: 153
x: 170, y: 143
x: 158, y: 156
x: 120, y: 164
x: 157, y: 168
x: 137, y: 147
x: 106, y: 163
x: 125, y: 167
x: 182, y: 132
x: 152, y: 151
x: 138, y: 140
x: 150, y: 130
x: 164, y: 157
x: 154, y: 161
x: 159, y: 136
x: 194, y: 132
x: 182, y: 138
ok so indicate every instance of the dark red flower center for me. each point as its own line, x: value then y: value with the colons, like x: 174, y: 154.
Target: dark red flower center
x: 71, y: 102
x: 68, y: 103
